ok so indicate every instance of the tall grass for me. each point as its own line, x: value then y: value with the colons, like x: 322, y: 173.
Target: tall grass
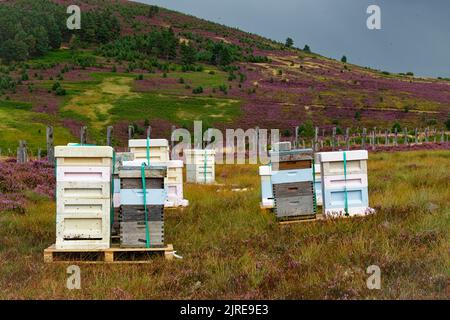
x: 233, y: 250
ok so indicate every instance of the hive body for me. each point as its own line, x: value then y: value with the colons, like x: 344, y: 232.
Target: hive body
x: 83, y: 197
x: 200, y: 165
x: 133, y: 231
x: 341, y: 186
x: 291, y: 179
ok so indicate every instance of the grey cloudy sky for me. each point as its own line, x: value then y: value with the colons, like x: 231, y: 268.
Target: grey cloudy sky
x: 415, y: 34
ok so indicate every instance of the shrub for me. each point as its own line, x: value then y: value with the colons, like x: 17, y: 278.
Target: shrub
x: 197, y: 90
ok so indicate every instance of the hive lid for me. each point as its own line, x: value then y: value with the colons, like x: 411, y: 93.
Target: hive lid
x: 281, y: 146
x: 292, y: 155
x: 83, y: 151
x: 339, y: 155
x: 142, y: 143
x: 152, y: 171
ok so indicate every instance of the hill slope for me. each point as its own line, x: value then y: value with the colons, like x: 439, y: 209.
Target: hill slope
x: 134, y: 63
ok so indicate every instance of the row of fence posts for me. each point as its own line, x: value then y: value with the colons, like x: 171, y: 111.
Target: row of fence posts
x: 366, y: 140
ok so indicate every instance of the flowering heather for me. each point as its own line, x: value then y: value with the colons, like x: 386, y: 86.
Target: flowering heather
x: 17, y: 179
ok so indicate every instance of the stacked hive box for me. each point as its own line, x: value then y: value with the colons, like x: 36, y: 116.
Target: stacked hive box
x: 133, y: 225
x: 344, y: 181
x: 292, y: 184
x: 120, y: 157
x: 83, y: 198
x: 200, y: 165
x: 159, y: 154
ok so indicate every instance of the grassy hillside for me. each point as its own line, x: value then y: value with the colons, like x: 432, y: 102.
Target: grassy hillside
x: 232, y: 250
x: 133, y: 63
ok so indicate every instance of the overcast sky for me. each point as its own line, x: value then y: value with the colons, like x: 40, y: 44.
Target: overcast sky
x: 414, y: 35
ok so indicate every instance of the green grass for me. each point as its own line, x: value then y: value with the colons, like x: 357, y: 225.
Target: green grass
x: 233, y: 250
x: 18, y: 123
x: 59, y: 56
x: 110, y: 98
x: 181, y: 110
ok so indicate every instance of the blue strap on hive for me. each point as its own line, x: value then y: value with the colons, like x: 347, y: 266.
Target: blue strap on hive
x: 147, y: 236
x: 314, y: 185
x: 204, y: 166
x: 144, y: 188
x: 112, y: 188
x: 345, y: 185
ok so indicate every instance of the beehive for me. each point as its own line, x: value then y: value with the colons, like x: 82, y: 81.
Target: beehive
x: 344, y: 182
x: 119, y: 158
x: 292, y: 183
x: 318, y: 184
x: 265, y: 172
x: 83, y: 197
x: 133, y: 231
x: 174, y: 184
x: 200, y: 165
x: 159, y: 149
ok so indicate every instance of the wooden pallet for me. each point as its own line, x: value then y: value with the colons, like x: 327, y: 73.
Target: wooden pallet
x: 319, y: 217
x: 114, y: 254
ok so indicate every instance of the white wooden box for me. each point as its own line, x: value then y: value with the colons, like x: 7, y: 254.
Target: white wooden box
x: 84, y: 190
x: 83, y: 156
x: 332, y: 163
x: 83, y: 174
x: 158, y: 149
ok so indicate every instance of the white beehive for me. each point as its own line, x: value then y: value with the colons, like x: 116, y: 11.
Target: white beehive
x: 159, y: 150
x: 267, y: 201
x: 200, y: 165
x: 344, y: 182
x: 174, y: 184
x: 83, y: 198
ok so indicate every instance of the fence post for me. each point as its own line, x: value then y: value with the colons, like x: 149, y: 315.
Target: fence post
x: 416, y: 137
x: 426, y: 134
x: 333, y: 139
x: 363, y: 138
x: 50, y: 147
x: 22, y: 152
x: 347, y: 137
x: 316, y: 139
x: 442, y: 136
x: 296, y: 137
x: 386, y: 137
x: 130, y: 132
x: 83, y: 135
x: 395, y: 136
x: 172, y: 129
x: 109, y: 130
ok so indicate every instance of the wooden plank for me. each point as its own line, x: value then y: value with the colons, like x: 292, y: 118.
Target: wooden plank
x: 136, y: 183
x: 150, y: 172
x: 295, y: 164
x: 293, y: 189
x: 114, y: 255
